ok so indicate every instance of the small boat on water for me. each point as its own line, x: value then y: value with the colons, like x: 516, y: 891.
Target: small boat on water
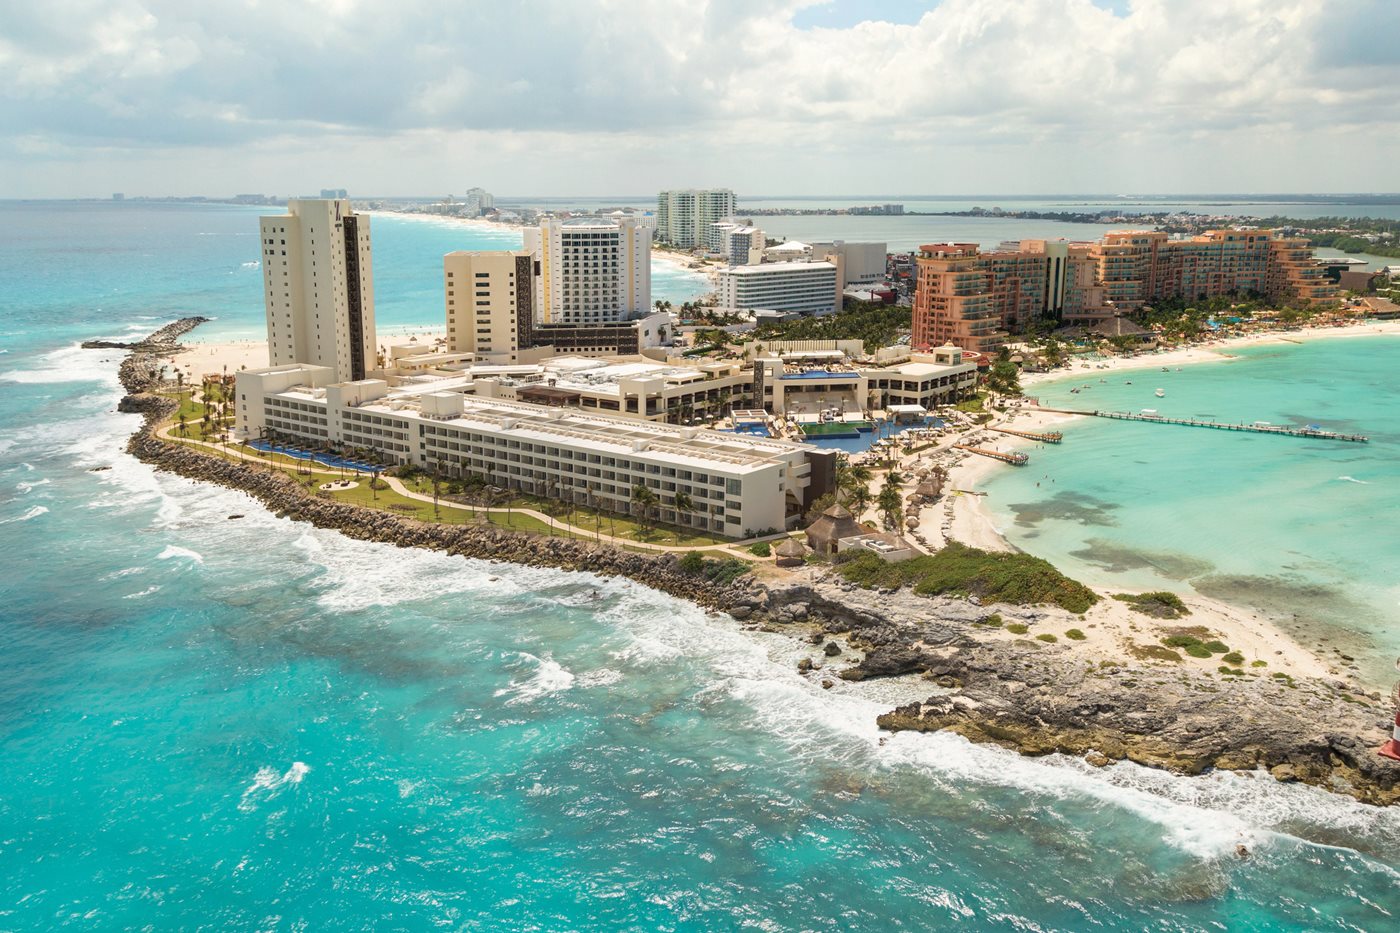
x: 1159, y: 393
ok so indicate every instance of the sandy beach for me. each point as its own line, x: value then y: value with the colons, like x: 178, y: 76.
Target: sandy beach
x: 215, y: 357
x: 1213, y: 351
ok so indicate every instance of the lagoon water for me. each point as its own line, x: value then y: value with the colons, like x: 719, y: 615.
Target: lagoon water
x: 255, y: 724
x: 1300, y: 529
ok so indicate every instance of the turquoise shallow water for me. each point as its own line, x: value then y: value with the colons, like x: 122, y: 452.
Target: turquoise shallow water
x: 1302, y: 529
x: 253, y: 724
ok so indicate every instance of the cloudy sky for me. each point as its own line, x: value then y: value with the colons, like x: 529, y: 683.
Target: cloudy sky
x: 622, y: 97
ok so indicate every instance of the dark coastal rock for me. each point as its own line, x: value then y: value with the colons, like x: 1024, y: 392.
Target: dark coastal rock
x: 1023, y: 699
x: 832, y: 649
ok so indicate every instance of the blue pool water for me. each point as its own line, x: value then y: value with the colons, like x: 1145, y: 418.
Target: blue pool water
x: 331, y: 460
x: 255, y: 724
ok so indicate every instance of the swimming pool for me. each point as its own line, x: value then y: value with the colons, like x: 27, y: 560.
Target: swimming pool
x: 330, y: 460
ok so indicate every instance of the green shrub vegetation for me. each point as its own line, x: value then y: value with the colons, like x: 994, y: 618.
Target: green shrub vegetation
x: 1075, y: 634
x: 994, y: 620
x: 761, y: 549
x: 1258, y: 663
x: 872, y: 322
x: 1016, y: 628
x: 1196, y: 648
x: 1233, y: 657
x: 1153, y: 653
x: 1046, y: 637
x: 723, y: 571
x: 959, y: 570
x: 1159, y: 604
x: 1232, y: 671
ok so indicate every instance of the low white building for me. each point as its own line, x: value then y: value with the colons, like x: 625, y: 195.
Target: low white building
x: 811, y: 379
x: 737, y: 485
x: 807, y: 287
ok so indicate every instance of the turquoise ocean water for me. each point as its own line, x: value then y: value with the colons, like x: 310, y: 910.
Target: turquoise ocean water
x: 1301, y: 529
x: 209, y: 723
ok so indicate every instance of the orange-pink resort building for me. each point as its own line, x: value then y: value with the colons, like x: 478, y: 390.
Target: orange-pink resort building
x: 972, y: 299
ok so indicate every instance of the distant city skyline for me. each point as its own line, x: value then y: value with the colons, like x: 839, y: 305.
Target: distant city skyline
x: 803, y: 97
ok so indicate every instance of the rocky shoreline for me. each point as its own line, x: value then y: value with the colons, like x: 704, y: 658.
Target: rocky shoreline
x: 1022, y: 694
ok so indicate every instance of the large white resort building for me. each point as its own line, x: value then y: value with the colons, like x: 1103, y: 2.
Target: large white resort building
x: 553, y: 408
x: 737, y: 486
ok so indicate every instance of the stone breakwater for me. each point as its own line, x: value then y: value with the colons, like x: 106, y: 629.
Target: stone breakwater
x: 1035, y: 698
x: 141, y: 370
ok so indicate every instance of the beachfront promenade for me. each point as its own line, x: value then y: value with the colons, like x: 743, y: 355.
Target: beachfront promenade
x: 1257, y: 428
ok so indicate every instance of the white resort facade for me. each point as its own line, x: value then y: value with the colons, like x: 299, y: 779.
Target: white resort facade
x: 804, y: 287
x: 737, y: 486
x: 591, y: 270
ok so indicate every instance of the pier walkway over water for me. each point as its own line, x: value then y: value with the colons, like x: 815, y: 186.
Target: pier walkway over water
x: 1049, y: 437
x: 1313, y: 432
x: 1014, y: 459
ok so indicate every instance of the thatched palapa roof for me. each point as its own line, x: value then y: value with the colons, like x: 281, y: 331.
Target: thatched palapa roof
x: 835, y: 523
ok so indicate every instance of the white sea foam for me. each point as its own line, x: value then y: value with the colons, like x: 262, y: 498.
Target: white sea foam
x: 27, y: 487
x: 171, y: 551
x: 146, y: 592
x: 267, y: 783
x: 600, y: 678
x: 32, y: 513
x: 548, y: 676
x: 69, y: 364
x: 364, y: 574
x: 1353, y: 479
x: 251, y: 265
x: 126, y: 572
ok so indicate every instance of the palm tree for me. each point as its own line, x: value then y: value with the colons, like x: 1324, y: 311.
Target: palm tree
x: 858, y: 499
x: 683, y: 505
x: 183, y: 428
x: 643, y: 499
x: 437, y: 485
x: 890, y: 503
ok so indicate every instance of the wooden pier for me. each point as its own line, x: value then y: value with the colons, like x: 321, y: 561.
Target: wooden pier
x: 1049, y: 437
x: 1257, y: 428
x: 1013, y: 459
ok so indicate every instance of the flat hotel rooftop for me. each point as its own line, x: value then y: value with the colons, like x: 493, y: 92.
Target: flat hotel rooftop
x: 694, y: 448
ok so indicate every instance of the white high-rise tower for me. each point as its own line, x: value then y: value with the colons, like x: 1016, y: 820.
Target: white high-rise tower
x: 591, y: 270
x: 683, y: 218
x: 318, y: 286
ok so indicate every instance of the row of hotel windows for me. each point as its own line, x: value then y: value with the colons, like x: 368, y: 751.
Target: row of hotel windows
x: 488, y: 459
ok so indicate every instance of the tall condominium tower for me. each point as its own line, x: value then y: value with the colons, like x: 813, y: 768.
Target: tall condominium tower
x: 684, y: 218
x: 317, y: 282
x: 490, y: 301
x: 591, y: 270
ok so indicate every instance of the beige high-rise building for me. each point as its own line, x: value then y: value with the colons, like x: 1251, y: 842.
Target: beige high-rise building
x: 318, y: 287
x: 490, y: 301
x: 591, y: 270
